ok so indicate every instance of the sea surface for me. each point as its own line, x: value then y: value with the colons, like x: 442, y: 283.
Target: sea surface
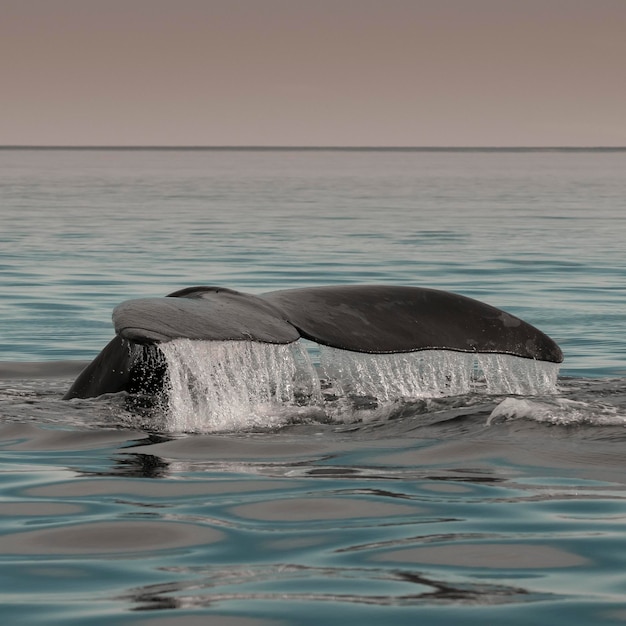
x: 491, y: 506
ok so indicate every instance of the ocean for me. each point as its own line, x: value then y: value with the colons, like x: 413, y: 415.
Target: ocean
x: 487, y: 506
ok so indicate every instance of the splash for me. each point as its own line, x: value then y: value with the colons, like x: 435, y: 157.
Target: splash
x: 217, y: 386
x: 435, y: 373
x: 558, y: 411
x: 236, y: 385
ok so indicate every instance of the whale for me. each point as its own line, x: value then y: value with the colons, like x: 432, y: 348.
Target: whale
x: 373, y: 319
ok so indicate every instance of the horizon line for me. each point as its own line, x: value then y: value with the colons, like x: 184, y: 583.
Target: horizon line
x: 312, y: 148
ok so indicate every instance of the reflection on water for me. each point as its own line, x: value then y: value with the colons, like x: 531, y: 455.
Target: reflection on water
x: 337, y: 518
x: 110, y: 538
x: 395, y: 588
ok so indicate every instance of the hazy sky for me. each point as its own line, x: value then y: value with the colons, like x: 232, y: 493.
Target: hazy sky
x: 313, y: 72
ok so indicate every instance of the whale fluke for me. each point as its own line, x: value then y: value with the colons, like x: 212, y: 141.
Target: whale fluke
x: 208, y: 313
x: 382, y: 319
x: 374, y: 319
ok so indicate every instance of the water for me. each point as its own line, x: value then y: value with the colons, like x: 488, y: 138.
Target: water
x: 235, y: 385
x: 494, y: 496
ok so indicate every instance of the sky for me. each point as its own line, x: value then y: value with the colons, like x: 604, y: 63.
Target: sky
x: 313, y: 72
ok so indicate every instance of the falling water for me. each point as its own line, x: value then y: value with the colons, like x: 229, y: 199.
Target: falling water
x: 235, y: 385
x: 238, y: 385
x: 435, y: 373
x: 507, y: 374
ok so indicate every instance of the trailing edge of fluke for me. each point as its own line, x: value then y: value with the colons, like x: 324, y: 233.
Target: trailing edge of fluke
x: 375, y: 319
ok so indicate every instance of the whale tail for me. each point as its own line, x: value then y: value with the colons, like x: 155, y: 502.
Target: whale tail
x: 374, y: 319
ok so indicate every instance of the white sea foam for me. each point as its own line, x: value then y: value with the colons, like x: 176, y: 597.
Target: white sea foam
x: 558, y: 411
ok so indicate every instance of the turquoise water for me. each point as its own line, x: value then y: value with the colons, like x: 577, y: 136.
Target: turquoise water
x: 472, y: 509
